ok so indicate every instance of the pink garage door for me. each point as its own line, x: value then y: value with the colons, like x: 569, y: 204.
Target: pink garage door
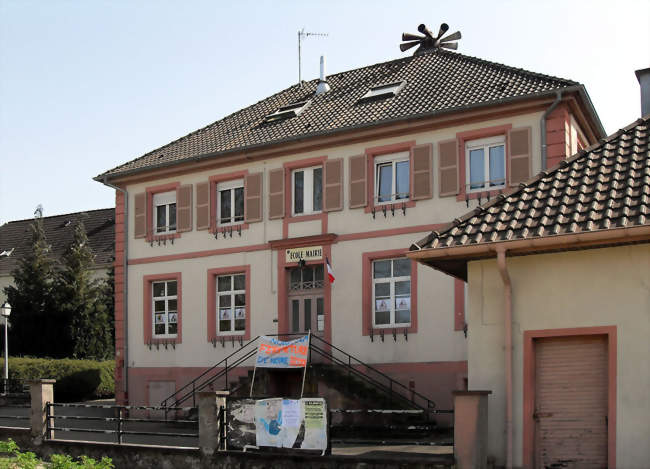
x: 571, y: 402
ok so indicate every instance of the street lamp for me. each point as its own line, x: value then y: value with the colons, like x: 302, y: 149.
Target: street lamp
x: 5, y: 310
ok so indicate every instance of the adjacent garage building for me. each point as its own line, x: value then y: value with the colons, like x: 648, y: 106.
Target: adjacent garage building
x: 558, y: 275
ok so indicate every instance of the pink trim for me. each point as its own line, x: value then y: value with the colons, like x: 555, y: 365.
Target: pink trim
x: 289, y: 166
x: 121, y: 396
x: 373, y: 152
x: 261, y: 247
x: 151, y: 191
x: 529, y: 386
x: 216, y: 179
x: 366, y: 287
x: 212, y: 302
x: 461, y: 138
x: 197, y: 254
x: 459, y: 305
x: 147, y: 280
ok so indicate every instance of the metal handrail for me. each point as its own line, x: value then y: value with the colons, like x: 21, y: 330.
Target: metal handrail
x: 194, y: 386
x: 430, y: 403
x: 212, y: 368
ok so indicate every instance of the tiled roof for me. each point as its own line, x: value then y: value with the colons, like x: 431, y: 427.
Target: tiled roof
x: 603, y: 187
x: 59, y: 229
x: 436, y: 83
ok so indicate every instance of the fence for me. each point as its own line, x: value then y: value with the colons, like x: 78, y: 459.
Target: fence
x: 123, y: 424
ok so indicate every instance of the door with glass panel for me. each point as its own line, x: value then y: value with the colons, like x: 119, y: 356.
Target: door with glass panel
x: 305, y: 300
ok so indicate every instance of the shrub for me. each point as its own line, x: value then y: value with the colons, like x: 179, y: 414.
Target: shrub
x: 75, y: 379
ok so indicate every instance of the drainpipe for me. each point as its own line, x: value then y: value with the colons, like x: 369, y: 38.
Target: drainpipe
x: 542, y: 126
x: 507, y: 297
x: 125, y: 304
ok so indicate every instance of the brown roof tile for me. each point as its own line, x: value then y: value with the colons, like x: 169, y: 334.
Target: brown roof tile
x: 436, y: 83
x: 15, y: 236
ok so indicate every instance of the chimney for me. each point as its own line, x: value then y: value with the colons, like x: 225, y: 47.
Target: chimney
x: 643, y: 76
x: 323, y: 86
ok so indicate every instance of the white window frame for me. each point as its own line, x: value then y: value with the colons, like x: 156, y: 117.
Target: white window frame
x: 308, y: 188
x: 166, y: 299
x: 393, y: 158
x: 382, y: 91
x: 392, y: 280
x: 232, y: 294
x: 485, y: 144
x: 230, y: 185
x: 164, y: 199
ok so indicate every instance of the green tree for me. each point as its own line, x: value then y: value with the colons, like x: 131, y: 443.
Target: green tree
x: 34, y: 320
x: 81, y: 299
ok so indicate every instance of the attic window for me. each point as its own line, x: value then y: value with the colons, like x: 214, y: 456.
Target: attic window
x: 289, y: 111
x: 383, y: 91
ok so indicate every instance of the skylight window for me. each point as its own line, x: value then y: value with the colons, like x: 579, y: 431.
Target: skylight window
x: 288, y: 111
x: 383, y: 91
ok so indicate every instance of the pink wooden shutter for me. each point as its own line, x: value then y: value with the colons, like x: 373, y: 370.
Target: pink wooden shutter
x: 184, y: 208
x: 448, y: 167
x: 519, y: 157
x: 140, y: 212
x: 203, y: 205
x: 358, y: 181
x: 253, y: 197
x: 333, y: 177
x: 422, y: 171
x: 276, y: 193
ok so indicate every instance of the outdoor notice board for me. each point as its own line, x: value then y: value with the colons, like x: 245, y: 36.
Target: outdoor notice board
x: 274, y: 353
x: 291, y: 423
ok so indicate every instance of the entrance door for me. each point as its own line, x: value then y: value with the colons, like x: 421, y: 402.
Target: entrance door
x: 305, y: 300
x: 571, y: 379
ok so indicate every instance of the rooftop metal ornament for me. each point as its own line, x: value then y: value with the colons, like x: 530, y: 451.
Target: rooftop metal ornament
x: 428, y: 42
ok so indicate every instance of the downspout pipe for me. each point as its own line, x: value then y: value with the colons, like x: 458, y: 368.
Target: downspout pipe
x: 542, y: 126
x: 507, y: 297
x: 125, y: 304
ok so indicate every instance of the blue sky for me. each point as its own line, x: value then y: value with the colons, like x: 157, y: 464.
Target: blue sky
x: 88, y: 85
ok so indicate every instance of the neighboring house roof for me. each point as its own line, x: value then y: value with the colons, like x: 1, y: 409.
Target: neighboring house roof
x: 601, y: 193
x: 16, y: 237
x: 436, y: 83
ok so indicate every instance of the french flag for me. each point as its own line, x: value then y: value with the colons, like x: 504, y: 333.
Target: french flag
x: 330, y: 272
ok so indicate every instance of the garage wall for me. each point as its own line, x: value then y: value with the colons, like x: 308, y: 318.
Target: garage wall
x: 600, y: 287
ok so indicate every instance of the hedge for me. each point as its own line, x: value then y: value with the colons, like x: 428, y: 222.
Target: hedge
x: 75, y: 379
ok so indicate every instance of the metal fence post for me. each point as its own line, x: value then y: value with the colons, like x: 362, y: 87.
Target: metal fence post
x: 119, y: 425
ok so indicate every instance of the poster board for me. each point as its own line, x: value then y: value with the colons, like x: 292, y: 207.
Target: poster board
x: 278, y: 423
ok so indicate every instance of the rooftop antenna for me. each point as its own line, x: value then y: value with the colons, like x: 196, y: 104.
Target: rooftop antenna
x: 303, y: 34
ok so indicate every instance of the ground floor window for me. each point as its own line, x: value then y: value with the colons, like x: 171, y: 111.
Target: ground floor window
x: 165, y: 308
x: 231, y: 303
x: 391, y: 292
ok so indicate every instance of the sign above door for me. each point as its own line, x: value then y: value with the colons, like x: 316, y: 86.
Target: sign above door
x: 310, y: 253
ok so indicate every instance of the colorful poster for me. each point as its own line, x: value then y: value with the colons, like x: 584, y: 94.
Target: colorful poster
x: 403, y: 303
x: 268, y: 422
x: 274, y: 353
x: 173, y: 319
x: 240, y: 313
x: 314, y: 414
x: 382, y: 306
x: 224, y: 314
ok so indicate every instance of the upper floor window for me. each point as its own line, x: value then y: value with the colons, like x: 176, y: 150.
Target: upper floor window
x: 165, y: 308
x: 307, y: 194
x: 392, y: 177
x: 391, y: 292
x: 164, y: 208
x: 230, y: 203
x: 486, y: 163
x: 231, y: 304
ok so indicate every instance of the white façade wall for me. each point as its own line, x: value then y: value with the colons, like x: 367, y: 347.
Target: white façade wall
x: 600, y: 287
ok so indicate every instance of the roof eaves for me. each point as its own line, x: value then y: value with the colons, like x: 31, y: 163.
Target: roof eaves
x: 108, y: 175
